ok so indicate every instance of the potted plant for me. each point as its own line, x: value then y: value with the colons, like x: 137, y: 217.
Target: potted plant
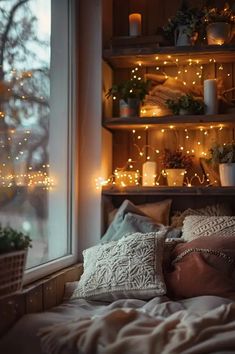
x: 130, y: 94
x: 184, y: 26
x: 13, y: 253
x: 175, y: 164
x: 220, y: 23
x: 224, y: 156
x: 186, y: 104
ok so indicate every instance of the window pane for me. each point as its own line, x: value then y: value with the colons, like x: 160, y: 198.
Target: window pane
x: 33, y: 127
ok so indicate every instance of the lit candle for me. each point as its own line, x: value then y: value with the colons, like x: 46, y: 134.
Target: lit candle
x: 210, y: 96
x: 134, y: 25
x: 149, y: 173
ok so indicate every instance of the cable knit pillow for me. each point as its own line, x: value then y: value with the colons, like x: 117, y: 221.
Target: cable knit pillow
x: 196, y: 226
x: 128, y: 268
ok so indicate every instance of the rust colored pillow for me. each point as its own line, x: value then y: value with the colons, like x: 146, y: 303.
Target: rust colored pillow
x: 204, y: 266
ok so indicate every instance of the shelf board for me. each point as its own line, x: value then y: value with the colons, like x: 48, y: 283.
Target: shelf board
x: 220, y: 120
x: 165, y: 190
x: 126, y: 57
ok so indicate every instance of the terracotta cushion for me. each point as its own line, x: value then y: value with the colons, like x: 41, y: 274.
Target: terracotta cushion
x: 204, y: 266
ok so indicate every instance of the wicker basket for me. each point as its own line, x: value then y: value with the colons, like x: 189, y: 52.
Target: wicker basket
x: 12, y: 267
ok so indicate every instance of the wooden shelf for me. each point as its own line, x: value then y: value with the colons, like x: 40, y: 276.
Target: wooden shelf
x: 171, y: 191
x: 125, y: 57
x: 224, y: 120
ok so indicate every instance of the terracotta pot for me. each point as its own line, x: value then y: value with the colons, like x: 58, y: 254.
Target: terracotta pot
x: 175, y: 176
x: 227, y: 174
x: 219, y: 33
x: 131, y: 108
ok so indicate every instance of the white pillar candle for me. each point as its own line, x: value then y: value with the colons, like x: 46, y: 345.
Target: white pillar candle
x: 210, y: 96
x: 134, y: 25
x: 149, y: 173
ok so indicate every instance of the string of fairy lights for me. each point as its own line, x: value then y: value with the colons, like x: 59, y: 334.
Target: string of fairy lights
x: 27, y: 176
x: 127, y: 175
x: 14, y: 169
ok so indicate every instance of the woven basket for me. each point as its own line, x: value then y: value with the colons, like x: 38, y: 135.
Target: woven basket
x: 12, y: 267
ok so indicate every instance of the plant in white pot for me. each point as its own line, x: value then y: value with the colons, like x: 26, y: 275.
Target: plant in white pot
x: 185, y: 26
x: 13, y: 253
x: 219, y: 25
x: 130, y: 93
x: 224, y: 156
x: 175, y: 164
x: 186, y: 104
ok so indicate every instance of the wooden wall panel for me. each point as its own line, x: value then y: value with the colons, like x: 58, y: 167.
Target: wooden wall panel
x: 37, y: 297
x: 120, y: 18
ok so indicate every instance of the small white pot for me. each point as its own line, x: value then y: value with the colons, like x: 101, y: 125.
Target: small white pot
x: 175, y: 177
x: 227, y: 174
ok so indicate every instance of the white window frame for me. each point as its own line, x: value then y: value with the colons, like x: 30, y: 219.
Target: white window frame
x: 66, y: 15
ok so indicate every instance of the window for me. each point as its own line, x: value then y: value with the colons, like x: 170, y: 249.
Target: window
x: 36, y: 125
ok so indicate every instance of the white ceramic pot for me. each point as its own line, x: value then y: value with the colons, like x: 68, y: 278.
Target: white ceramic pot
x: 175, y: 177
x: 227, y: 174
x: 219, y: 33
x: 182, y: 38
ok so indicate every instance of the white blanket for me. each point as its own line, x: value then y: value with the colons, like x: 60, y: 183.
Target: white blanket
x: 204, y: 324
x: 151, y: 329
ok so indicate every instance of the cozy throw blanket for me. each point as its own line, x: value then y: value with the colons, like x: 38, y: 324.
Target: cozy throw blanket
x: 201, y: 325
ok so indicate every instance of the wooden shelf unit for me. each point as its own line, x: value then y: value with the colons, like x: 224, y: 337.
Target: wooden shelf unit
x: 121, y: 59
x: 169, y: 191
x: 150, y: 55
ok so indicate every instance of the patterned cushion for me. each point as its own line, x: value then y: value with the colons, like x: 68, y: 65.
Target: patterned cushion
x: 128, y: 268
x: 197, y: 226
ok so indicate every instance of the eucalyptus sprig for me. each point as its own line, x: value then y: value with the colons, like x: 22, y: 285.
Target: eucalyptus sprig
x: 186, y: 103
x: 222, y: 153
x: 12, y: 240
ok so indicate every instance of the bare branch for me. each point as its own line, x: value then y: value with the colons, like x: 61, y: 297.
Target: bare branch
x: 7, y: 29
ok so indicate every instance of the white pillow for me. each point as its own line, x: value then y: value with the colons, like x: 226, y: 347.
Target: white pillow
x: 128, y: 268
x: 196, y: 226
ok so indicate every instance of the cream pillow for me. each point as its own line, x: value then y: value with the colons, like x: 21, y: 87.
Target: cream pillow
x: 210, y: 210
x: 128, y: 268
x: 196, y: 226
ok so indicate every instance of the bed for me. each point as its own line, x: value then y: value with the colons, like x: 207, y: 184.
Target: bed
x: 144, y: 292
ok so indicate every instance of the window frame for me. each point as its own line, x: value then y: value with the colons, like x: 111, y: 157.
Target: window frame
x: 52, y: 266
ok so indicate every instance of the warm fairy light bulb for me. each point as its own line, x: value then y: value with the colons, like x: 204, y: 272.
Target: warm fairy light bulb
x: 156, y: 58
x: 157, y: 68
x: 163, y: 130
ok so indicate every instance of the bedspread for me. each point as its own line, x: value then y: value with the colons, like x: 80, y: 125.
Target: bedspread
x: 204, y: 324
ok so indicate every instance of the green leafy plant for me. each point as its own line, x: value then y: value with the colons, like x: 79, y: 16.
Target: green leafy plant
x: 186, y: 103
x: 213, y: 14
x: 12, y: 240
x: 222, y: 153
x: 176, y: 159
x: 189, y: 17
x: 133, y: 88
